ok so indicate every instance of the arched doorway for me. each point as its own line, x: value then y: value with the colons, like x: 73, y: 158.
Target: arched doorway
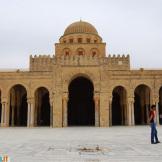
x: 42, y: 107
x: 18, y: 106
x: 81, y: 111
x: 0, y: 107
x: 160, y: 105
x: 141, y: 104
x: 119, y: 106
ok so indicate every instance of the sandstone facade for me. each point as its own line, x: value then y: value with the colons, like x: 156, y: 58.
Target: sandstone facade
x: 79, y: 85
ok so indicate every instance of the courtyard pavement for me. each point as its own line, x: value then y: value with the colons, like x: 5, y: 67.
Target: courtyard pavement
x: 80, y: 144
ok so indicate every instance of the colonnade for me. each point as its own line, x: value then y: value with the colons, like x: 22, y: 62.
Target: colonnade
x: 105, y: 109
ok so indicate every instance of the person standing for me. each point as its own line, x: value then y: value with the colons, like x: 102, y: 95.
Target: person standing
x: 152, y: 120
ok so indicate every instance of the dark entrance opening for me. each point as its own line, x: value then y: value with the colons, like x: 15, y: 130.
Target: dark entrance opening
x: 42, y: 107
x: 160, y: 105
x: 81, y: 111
x: 141, y: 104
x: 0, y: 107
x: 119, y: 107
x: 18, y: 106
x: 116, y: 109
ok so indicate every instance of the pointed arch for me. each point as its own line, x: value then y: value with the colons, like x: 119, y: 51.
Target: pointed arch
x: 119, y: 106
x: 42, y: 107
x: 18, y: 105
x: 142, y: 95
x: 81, y: 109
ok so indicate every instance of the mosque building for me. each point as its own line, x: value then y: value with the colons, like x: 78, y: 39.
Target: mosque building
x: 79, y: 86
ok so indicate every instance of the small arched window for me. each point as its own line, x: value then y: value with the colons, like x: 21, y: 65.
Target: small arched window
x: 94, y: 52
x: 80, y: 51
x: 88, y: 40
x: 95, y: 41
x: 66, y: 51
x: 71, y: 40
x: 79, y: 40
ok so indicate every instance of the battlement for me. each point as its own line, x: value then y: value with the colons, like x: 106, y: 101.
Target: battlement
x: 41, y: 63
x: 118, y: 62
x: 45, y: 62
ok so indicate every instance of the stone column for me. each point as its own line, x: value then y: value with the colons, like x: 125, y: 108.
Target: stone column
x: 110, y: 111
x: 2, y: 115
x: 130, y: 114
x: 29, y: 114
x: 147, y: 113
x: 4, y: 118
x: 30, y: 118
x: 51, y: 114
x: 156, y: 102
x: 97, y: 111
x: 5, y: 114
x: 12, y: 115
x: 65, y: 109
x: 32, y: 108
x: 157, y: 113
x: 51, y: 109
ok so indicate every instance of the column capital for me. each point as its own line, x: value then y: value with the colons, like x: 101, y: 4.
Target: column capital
x: 52, y: 94
x: 110, y: 98
x: 51, y: 99
x: 155, y: 99
x: 65, y: 96
x: 96, y: 96
x: 30, y: 100
x: 130, y: 99
x: 4, y: 100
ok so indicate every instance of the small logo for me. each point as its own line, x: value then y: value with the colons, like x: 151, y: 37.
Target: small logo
x: 4, y: 158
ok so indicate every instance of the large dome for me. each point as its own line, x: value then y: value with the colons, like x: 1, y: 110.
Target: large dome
x: 80, y: 27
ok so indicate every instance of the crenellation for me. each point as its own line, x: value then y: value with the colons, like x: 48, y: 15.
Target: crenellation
x: 117, y: 62
x: 41, y: 63
x: 114, y: 62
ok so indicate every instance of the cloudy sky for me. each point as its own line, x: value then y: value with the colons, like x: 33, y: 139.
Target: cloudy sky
x: 127, y: 26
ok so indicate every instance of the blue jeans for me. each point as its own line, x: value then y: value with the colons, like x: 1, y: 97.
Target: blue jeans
x: 153, y: 132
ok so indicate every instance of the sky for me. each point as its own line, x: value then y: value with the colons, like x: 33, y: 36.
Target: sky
x: 32, y: 27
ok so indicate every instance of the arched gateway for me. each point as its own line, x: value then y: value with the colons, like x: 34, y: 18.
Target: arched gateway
x: 81, y: 111
x: 141, y: 104
x: 18, y: 106
x: 119, y: 106
x: 42, y: 107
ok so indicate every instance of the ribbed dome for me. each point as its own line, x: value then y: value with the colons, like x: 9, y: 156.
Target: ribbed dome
x: 80, y: 27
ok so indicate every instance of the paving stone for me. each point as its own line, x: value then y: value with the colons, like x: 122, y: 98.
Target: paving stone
x: 80, y: 144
